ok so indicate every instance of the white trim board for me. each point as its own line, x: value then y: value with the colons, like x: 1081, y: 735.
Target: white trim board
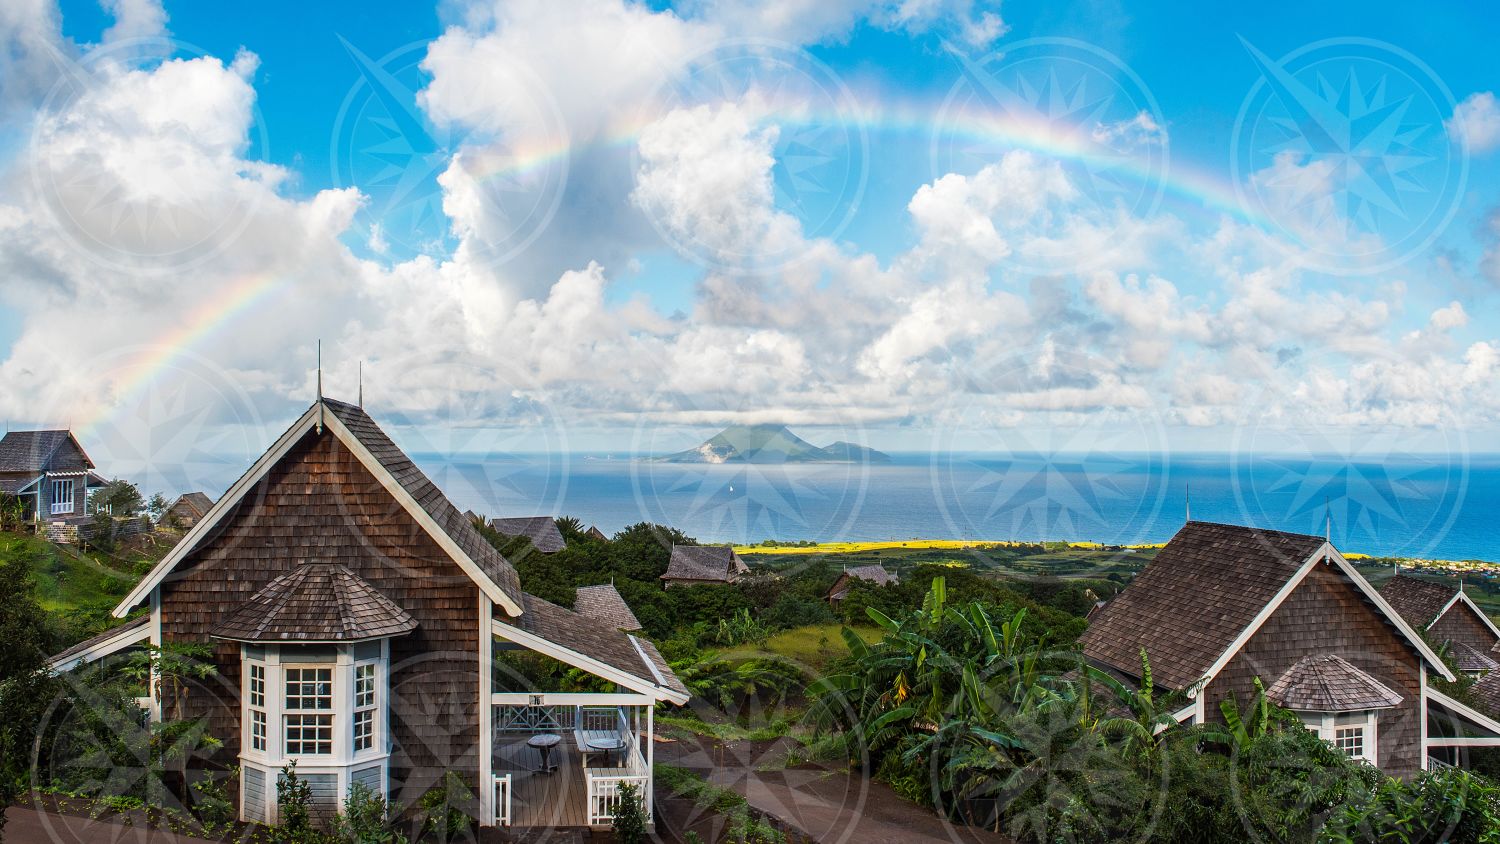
x: 1461, y: 596
x: 1324, y: 552
x: 310, y: 419
x: 587, y: 663
x: 114, y: 644
x: 1464, y: 711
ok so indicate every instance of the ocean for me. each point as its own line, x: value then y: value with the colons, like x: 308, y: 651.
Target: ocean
x: 1416, y: 506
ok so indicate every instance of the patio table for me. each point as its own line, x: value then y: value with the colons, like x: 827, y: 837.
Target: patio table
x: 544, y: 742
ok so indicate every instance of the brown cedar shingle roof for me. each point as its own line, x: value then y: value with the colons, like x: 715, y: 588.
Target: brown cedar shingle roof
x: 541, y: 530
x: 603, y: 603
x: 1329, y: 683
x: 1486, y: 694
x: 32, y: 451
x: 1470, y: 659
x: 1191, y: 602
x: 90, y: 642
x: 197, y: 502
x: 874, y: 574
x: 316, y: 602
x: 586, y: 636
x: 1416, y: 600
x: 429, y: 497
x: 704, y: 562
x: 595, y: 533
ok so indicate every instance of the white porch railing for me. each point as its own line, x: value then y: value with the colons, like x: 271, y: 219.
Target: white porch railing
x: 61, y: 507
x: 502, y: 800
x: 604, y: 792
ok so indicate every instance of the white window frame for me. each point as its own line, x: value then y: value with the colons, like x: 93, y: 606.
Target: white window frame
x: 343, y: 759
x: 62, y: 504
x: 1328, y: 724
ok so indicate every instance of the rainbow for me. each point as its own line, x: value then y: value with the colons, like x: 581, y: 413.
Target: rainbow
x: 208, y: 316
x: 1190, y: 188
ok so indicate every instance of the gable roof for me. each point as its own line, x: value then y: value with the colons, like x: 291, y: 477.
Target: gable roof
x: 394, y: 470
x: 1470, y: 659
x: 1486, y: 694
x: 704, y: 562
x: 603, y: 603
x: 1209, y: 589
x: 316, y: 602
x: 197, y: 502
x: 595, y: 533
x: 612, y: 654
x: 1330, y: 683
x: 1416, y: 599
x: 541, y: 530
x: 1419, y: 601
x: 32, y: 451
x: 875, y: 574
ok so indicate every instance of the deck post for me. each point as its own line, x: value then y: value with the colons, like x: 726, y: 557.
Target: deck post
x: 486, y: 782
x: 650, y: 759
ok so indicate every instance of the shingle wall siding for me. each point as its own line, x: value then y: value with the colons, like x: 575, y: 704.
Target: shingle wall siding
x: 1327, y: 614
x: 319, y: 504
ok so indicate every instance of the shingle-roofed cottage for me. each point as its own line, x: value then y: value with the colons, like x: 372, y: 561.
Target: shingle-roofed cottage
x: 1223, y: 605
x: 358, y: 615
x: 875, y: 574
x: 1448, y: 616
x: 540, y: 530
x: 604, y: 603
x: 188, y: 509
x: 49, y: 472
x: 696, y: 565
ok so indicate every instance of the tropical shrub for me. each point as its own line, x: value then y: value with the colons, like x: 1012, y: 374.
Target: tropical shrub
x: 630, y: 815
x: 443, y: 808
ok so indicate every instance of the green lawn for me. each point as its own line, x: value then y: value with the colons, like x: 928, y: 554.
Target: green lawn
x: 78, y: 589
x: 814, y: 645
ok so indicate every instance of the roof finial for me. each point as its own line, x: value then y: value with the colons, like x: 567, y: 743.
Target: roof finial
x: 1327, y: 519
x: 361, y: 385
x: 320, y: 386
x: 1189, y: 502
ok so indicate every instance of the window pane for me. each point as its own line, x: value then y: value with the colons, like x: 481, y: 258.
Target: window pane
x: 364, y: 685
x: 257, y: 730
x: 309, y: 688
x: 364, y: 729
x: 1351, y: 740
x: 309, y: 734
x: 257, y: 685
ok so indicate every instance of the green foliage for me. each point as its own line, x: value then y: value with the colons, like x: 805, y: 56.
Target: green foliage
x: 294, y: 807
x: 118, y: 497
x: 444, y: 808
x: 213, y: 801
x: 1445, y: 805
x: 630, y: 815
x: 743, y: 825
x: 740, y: 628
x: 157, y: 506
x: 366, y: 819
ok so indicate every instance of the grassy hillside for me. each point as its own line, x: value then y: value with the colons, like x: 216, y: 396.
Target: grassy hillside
x: 78, y: 589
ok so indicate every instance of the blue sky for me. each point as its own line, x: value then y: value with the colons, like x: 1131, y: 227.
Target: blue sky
x: 953, y: 224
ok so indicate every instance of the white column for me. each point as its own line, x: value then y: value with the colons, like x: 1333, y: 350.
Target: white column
x: 486, y: 714
x: 650, y: 758
x: 155, y: 640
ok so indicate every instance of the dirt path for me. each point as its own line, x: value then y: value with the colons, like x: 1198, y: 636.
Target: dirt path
x: 830, y: 806
x: 27, y: 826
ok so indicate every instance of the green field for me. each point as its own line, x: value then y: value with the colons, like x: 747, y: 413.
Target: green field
x: 1001, y: 559
x: 813, y: 646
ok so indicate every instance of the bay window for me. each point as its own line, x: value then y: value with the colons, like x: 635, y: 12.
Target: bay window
x: 324, y: 707
x: 1352, y: 732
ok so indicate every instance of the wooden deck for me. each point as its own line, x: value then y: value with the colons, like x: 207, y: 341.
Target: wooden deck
x: 552, y: 800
